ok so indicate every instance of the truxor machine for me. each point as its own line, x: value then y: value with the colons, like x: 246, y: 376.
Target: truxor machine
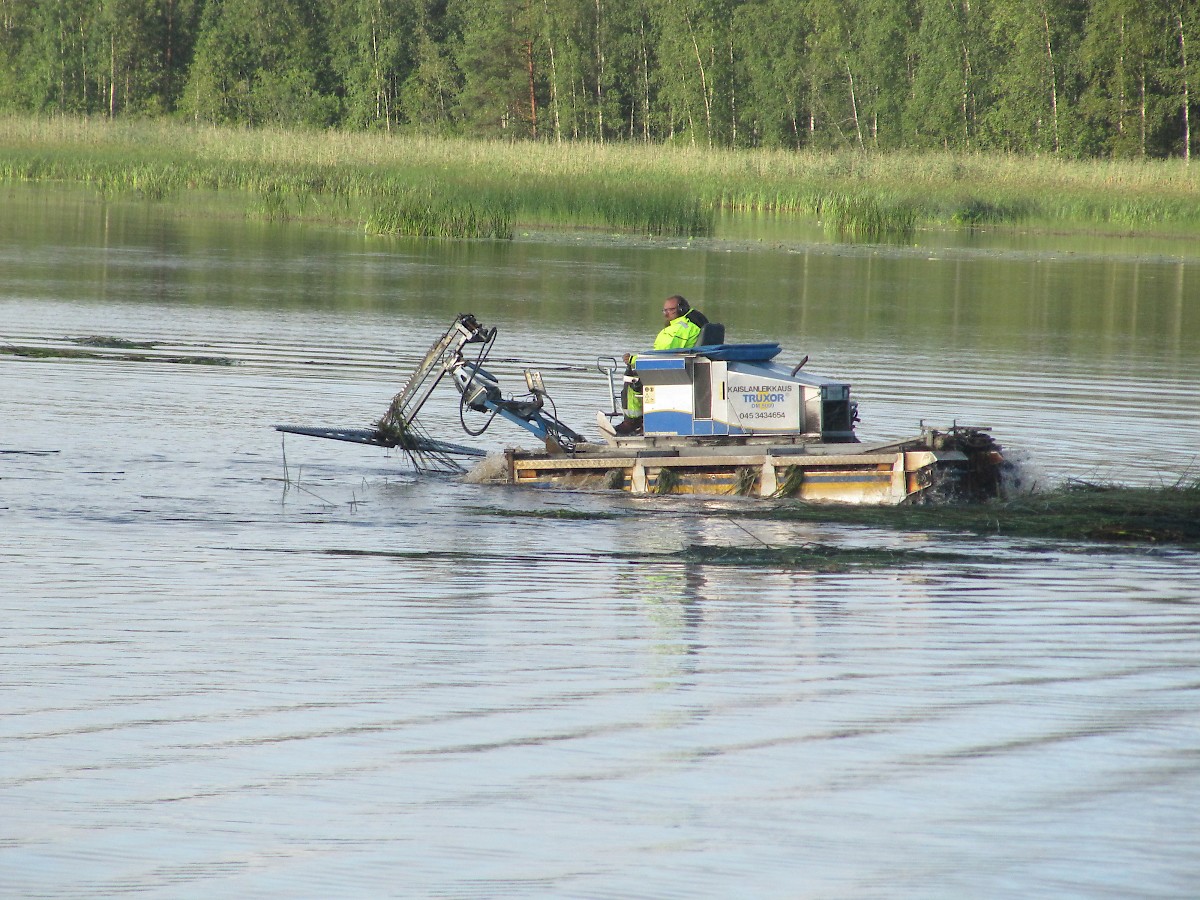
x: 718, y: 419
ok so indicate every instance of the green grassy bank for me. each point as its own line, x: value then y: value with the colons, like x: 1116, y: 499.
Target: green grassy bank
x: 457, y: 188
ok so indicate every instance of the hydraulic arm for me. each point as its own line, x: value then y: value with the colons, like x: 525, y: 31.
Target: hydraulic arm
x: 478, y: 391
x: 444, y: 356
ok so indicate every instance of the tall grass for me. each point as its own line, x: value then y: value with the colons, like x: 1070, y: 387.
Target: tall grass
x: 437, y: 186
x: 440, y: 211
x: 865, y: 217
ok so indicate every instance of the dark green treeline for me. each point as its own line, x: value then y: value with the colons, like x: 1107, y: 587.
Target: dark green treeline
x: 1087, y: 78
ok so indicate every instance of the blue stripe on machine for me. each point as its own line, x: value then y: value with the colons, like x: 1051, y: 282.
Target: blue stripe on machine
x: 647, y: 363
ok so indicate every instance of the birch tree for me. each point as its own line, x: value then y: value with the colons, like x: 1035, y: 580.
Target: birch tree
x: 695, y: 71
x: 261, y: 61
x: 950, y: 63
x: 58, y: 67
x: 429, y: 94
x: 774, y: 38
x: 1186, y: 16
x: 1035, y: 42
x: 883, y: 60
x: 16, y: 24
x: 833, y: 83
x: 373, y: 52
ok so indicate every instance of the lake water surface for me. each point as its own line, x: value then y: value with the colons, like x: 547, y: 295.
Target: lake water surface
x: 362, y: 682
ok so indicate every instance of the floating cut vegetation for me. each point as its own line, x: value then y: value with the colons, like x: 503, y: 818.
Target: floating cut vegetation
x: 392, y: 428
x: 746, y: 480
x: 822, y: 558
x: 1078, y: 511
x: 558, y: 513
x: 668, y: 479
x: 71, y: 353
x: 99, y: 340
x: 793, y: 478
x: 426, y: 185
x: 613, y: 480
x: 425, y: 453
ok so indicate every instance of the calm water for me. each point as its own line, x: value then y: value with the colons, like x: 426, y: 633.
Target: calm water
x: 369, y: 683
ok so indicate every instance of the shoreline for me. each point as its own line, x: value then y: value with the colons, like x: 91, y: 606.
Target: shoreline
x: 422, y: 186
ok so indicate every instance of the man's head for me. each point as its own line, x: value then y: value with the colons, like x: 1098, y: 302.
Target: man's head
x: 674, y: 307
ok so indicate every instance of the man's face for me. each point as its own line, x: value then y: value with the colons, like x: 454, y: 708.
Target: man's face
x: 671, y: 310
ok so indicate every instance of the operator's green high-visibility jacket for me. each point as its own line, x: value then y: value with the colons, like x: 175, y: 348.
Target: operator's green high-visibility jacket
x: 679, y: 334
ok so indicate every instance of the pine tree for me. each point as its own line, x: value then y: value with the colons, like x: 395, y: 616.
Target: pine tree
x: 129, y: 78
x: 500, y: 71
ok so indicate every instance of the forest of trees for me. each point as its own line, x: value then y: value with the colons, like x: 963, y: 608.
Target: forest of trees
x: 1084, y: 78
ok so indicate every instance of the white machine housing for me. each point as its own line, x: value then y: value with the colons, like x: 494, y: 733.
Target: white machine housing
x: 735, y: 389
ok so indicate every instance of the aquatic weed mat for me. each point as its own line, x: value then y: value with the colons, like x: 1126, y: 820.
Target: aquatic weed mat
x: 582, y: 515
x: 810, y: 557
x: 466, y: 556
x: 109, y: 348
x: 813, y: 557
x: 1114, y: 515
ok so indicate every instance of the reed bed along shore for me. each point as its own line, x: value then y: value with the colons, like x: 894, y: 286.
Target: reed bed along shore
x: 422, y: 185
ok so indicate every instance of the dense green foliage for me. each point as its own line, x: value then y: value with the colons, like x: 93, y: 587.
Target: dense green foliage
x: 1075, y: 77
